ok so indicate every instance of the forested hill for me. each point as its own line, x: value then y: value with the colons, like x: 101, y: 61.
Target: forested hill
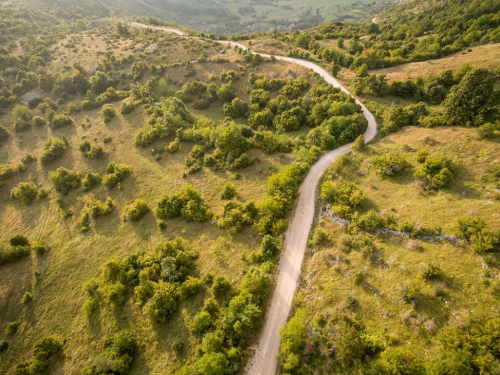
x: 415, y: 31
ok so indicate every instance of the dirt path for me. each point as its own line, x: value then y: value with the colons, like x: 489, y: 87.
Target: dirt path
x: 264, y: 360
x: 168, y: 30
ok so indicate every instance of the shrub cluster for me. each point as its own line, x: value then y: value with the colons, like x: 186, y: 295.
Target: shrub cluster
x: 435, y: 173
x: 52, y: 149
x: 90, y: 179
x: 135, y: 210
x: 43, y: 351
x: 282, y: 189
x: 64, y: 179
x: 236, y: 215
x: 25, y: 192
x: 119, y: 352
x: 115, y: 173
x: 60, y: 120
x: 91, y: 151
x: 158, y: 277
x: 188, y: 203
x: 389, y: 164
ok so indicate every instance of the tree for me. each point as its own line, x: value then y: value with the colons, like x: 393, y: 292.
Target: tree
x: 268, y: 247
x: 228, y: 191
x: 25, y: 192
x: 4, y: 134
x: 107, y: 113
x: 164, y: 302
x: 53, y: 149
x: 229, y: 139
x: 46, y: 348
x: 64, y: 179
x: 359, y: 143
x: 21, y: 112
x: 213, y: 363
x: 135, y: 210
x: 473, y: 100
x: 260, y: 97
x: 335, y: 70
x: 293, y: 339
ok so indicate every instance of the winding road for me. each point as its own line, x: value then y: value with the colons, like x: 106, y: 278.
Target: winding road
x: 264, y: 360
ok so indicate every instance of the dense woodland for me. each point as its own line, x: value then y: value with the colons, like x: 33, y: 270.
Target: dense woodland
x: 229, y: 112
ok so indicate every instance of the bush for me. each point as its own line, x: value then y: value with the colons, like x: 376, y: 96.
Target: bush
x: 25, y: 192
x: 19, y: 240
x: 187, y: 203
x: 127, y: 107
x: 21, y: 125
x: 228, y: 191
x: 115, y: 173
x: 342, y: 193
x: 11, y: 328
x: 89, y: 180
x: 235, y: 215
x: 4, y: 134
x: 39, y: 121
x: 12, y: 254
x: 22, y: 112
x: 91, y: 151
x: 201, y: 104
x: 107, y: 113
x: 421, y: 156
x: 46, y: 348
x: 190, y: 287
x: 268, y: 247
x: 370, y: 221
x: 475, y: 231
x: 135, y: 210
x: 390, y: 164
x: 359, y: 143
x: 213, y: 363
x: 53, y: 149
x: 27, y: 297
x: 174, y: 146
x: 114, y: 293
x: 486, y: 131
x: 431, y: 272
x: 60, y: 120
x: 220, y: 286
x: 435, y: 173
x: 95, y: 207
x: 164, y: 302
x: 64, y: 179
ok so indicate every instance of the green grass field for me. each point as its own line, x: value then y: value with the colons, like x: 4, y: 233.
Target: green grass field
x: 466, y: 286
x: 55, y: 279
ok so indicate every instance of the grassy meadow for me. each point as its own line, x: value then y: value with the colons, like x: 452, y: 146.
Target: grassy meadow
x: 55, y: 279
x: 342, y: 275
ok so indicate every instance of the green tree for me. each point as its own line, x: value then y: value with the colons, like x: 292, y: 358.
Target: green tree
x: 213, y: 363
x: 164, y: 302
x: 473, y: 100
x: 25, y: 192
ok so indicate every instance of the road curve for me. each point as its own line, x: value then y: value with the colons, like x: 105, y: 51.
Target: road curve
x: 166, y: 29
x: 265, y: 358
x: 264, y: 361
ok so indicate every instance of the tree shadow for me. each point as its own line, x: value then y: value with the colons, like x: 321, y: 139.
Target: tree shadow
x: 433, y: 307
x: 145, y: 227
